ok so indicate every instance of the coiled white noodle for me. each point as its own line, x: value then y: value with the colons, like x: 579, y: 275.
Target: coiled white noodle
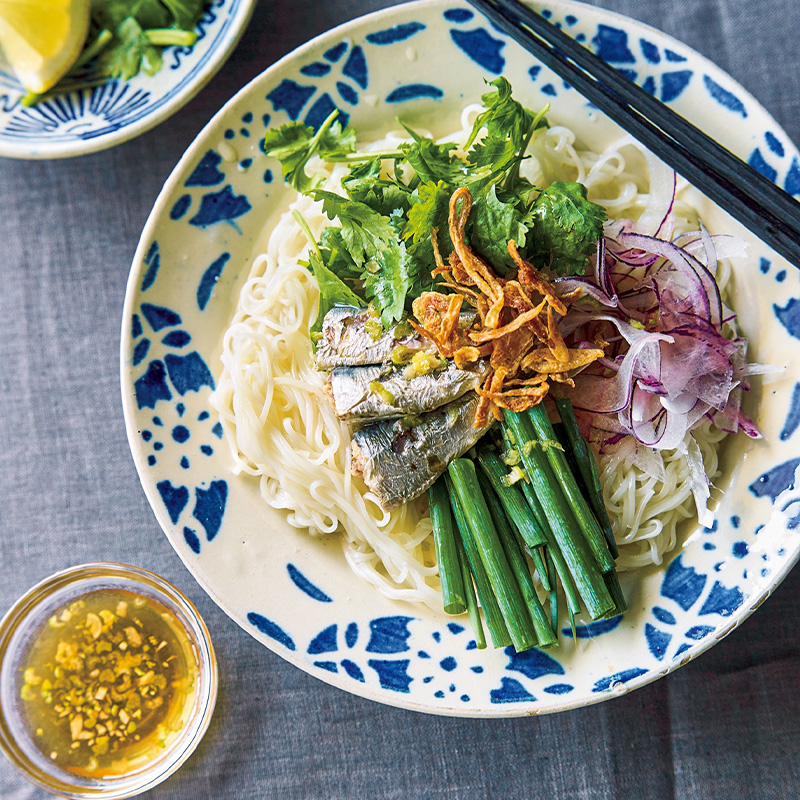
x: 283, y: 431
x: 645, y: 510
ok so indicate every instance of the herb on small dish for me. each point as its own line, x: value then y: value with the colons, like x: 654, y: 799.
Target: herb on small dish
x: 126, y: 38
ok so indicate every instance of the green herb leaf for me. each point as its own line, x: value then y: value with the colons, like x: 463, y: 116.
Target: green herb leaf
x: 293, y: 145
x: 364, y: 231
x: 493, y: 155
x: 333, y: 290
x: 337, y: 256
x: 503, y: 117
x: 510, y: 128
x: 432, y: 161
x: 138, y: 29
x: 328, y: 265
x: 565, y: 227
x: 430, y: 204
x: 388, y: 281
x: 373, y: 245
x: 129, y: 53
x: 365, y: 185
x: 420, y: 266
x: 186, y: 13
x: 110, y: 14
x: 492, y: 223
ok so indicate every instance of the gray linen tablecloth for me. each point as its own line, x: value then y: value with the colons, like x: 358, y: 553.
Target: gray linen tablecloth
x: 725, y: 726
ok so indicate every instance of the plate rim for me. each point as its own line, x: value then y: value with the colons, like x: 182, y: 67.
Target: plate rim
x: 338, y: 681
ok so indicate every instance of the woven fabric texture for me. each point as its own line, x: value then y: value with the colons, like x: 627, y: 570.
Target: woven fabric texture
x: 725, y: 726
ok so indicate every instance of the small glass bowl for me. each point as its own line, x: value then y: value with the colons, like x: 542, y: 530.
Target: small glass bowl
x: 17, y: 632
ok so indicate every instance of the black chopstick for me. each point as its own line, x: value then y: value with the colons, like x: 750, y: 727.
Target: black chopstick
x: 761, y: 206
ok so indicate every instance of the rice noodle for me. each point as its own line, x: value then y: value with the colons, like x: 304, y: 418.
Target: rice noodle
x: 283, y: 431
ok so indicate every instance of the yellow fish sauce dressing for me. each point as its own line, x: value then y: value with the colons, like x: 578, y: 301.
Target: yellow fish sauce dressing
x: 107, y: 683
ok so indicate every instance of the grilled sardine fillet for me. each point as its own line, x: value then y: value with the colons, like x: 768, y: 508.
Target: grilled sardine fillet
x: 347, y: 340
x: 359, y: 393
x: 400, y: 459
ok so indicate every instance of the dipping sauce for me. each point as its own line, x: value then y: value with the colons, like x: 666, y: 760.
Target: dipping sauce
x: 108, y: 683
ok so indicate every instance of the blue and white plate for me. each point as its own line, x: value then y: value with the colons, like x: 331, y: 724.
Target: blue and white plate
x: 87, y: 120
x: 423, y: 61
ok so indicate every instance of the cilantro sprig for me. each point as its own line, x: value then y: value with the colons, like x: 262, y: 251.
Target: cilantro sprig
x: 565, y: 227
x: 373, y: 245
x: 332, y: 289
x: 293, y: 145
x: 379, y: 247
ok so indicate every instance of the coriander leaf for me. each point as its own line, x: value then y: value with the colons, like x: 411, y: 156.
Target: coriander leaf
x: 565, y: 227
x: 365, y: 232
x: 373, y: 245
x: 492, y: 152
x: 420, y: 266
x: 510, y: 127
x: 503, y: 116
x: 489, y: 160
x: 432, y: 161
x: 430, y: 205
x: 135, y: 31
x: 337, y: 256
x: 398, y: 220
x: 110, y: 14
x: 493, y: 223
x: 387, y: 283
x: 293, y: 145
x: 329, y: 265
x: 186, y: 13
x: 365, y: 185
x: 129, y: 53
x: 524, y: 194
x: 332, y: 289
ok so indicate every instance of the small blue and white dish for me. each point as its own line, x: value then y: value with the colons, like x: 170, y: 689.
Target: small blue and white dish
x: 88, y: 120
x: 422, y: 62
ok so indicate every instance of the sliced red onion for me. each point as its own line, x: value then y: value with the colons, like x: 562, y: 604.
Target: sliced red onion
x: 759, y: 369
x: 680, y: 404
x: 587, y: 289
x: 697, y: 365
x: 726, y: 246
x: 728, y: 418
x: 601, y: 269
x: 653, y: 425
x: 748, y: 426
x: 698, y: 480
x: 699, y: 284
x: 627, y: 449
x: 668, y: 366
x: 609, y: 395
x: 710, y: 250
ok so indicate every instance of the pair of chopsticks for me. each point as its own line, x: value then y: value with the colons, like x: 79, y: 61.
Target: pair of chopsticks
x: 765, y: 209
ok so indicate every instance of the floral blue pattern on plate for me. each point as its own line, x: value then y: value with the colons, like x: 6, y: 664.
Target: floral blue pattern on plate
x: 87, y: 120
x: 424, y: 61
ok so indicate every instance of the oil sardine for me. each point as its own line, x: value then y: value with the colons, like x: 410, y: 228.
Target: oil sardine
x: 353, y: 337
x: 370, y: 392
x: 400, y: 459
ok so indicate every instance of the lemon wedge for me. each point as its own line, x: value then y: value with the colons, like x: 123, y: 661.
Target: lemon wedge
x: 42, y: 39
